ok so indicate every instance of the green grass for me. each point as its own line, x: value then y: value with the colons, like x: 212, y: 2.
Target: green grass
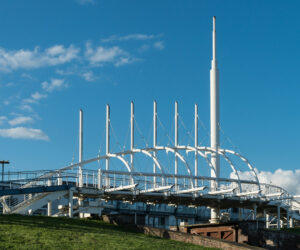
x: 39, y: 232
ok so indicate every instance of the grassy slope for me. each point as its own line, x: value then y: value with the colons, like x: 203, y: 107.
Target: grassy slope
x: 38, y: 232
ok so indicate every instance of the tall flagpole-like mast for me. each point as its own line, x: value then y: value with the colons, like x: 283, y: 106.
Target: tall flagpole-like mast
x: 214, y: 120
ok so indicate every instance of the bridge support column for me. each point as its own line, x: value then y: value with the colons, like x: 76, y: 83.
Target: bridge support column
x: 267, y: 218
x: 291, y: 223
x: 49, y: 204
x: 278, y: 218
x: 59, y: 179
x: 70, y: 203
x: 254, y: 212
x: 215, y: 215
x: 287, y: 218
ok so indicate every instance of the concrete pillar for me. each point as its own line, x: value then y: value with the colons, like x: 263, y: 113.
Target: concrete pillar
x: 291, y: 222
x: 70, y: 203
x: 254, y: 212
x: 49, y: 205
x: 278, y: 217
x: 267, y: 221
x: 287, y: 218
x: 240, y: 214
x: 80, y: 203
x: 49, y: 208
x: 59, y: 179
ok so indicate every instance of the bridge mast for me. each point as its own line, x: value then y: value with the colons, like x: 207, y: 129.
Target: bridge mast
x: 214, y: 120
x: 196, y: 143
x: 176, y: 144
x: 131, y: 134
x: 107, y: 146
x: 80, y: 146
x: 154, y: 138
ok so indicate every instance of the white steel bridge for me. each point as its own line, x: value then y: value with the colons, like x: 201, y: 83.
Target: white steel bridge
x: 88, y: 189
x: 82, y: 188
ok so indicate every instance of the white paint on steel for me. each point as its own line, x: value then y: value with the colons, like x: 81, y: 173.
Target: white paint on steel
x: 132, y: 135
x: 214, y: 120
x: 80, y: 147
x: 196, y: 143
x: 176, y: 142
x: 154, y: 138
x: 107, y: 141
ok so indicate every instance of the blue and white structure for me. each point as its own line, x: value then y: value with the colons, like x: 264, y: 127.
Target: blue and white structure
x: 87, y: 187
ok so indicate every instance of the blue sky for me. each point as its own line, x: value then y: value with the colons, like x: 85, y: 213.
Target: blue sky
x: 59, y: 56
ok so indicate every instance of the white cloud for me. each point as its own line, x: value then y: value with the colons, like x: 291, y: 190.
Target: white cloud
x: 101, y: 55
x: 159, y: 45
x: 86, y: 2
x: 6, y: 102
x: 88, y: 76
x: 28, y: 76
x: 125, y: 60
x: 30, y: 59
x: 26, y: 107
x: 20, y: 120
x: 141, y: 37
x: 2, y: 119
x: 287, y: 179
x: 65, y: 72
x: 55, y: 84
x: 24, y: 133
x: 38, y: 96
x: 35, y: 97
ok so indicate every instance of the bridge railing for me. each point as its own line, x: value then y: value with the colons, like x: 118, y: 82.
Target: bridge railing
x: 144, y: 182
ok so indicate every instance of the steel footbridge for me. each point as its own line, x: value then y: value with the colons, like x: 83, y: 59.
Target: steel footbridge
x: 89, y: 186
x: 93, y: 187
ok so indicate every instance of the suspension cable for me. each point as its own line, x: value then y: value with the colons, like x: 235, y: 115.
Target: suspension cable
x: 188, y: 133
x: 166, y: 133
x: 126, y: 137
x: 141, y: 134
x: 115, y: 137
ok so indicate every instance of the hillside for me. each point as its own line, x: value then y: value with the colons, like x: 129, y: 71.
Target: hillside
x: 39, y: 232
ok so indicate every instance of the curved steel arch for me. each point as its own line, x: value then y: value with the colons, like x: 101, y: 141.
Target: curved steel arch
x: 189, y: 148
x: 155, y: 160
x: 193, y: 149
x: 238, y: 155
x: 244, y: 159
x: 121, y: 159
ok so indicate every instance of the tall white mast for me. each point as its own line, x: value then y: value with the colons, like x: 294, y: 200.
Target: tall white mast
x: 107, y: 146
x: 154, y: 138
x: 132, y: 137
x: 80, y: 147
x: 214, y: 120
